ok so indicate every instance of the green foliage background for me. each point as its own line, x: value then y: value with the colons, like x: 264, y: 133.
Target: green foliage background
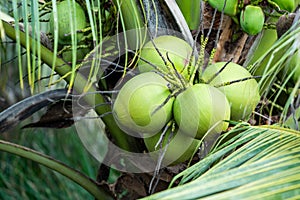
x: 24, y: 179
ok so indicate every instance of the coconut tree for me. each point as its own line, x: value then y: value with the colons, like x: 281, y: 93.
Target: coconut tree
x: 239, y: 59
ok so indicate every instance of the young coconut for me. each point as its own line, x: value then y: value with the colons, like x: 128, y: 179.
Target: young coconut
x: 231, y: 6
x: 179, y: 52
x: 138, y: 107
x: 242, y: 95
x: 65, y: 12
x: 288, y: 5
x: 180, y: 147
x: 201, y: 109
x: 252, y: 19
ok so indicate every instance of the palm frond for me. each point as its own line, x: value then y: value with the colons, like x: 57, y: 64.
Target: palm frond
x: 272, y: 65
x: 262, y: 161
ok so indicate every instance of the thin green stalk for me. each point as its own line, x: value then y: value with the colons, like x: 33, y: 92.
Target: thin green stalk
x: 17, y: 39
x: 36, y: 17
x: 29, y: 48
x: 84, y: 181
x: 130, y: 14
x: 95, y: 65
x: 55, y: 43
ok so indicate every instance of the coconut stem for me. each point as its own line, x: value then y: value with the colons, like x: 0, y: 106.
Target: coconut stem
x: 237, y: 81
x: 177, y: 75
x: 218, y: 72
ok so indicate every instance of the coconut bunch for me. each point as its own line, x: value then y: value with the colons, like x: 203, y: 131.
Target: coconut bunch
x: 172, y: 99
x: 251, y: 16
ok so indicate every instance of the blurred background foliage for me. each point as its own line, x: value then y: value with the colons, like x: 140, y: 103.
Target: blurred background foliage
x: 24, y: 179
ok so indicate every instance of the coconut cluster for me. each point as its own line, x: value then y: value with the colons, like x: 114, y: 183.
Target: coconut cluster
x: 163, y: 93
x: 250, y: 17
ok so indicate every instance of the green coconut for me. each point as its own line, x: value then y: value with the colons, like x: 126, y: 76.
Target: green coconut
x: 180, y: 147
x: 288, y: 5
x: 201, y: 110
x: 137, y: 105
x: 65, y: 13
x: 243, y: 96
x: 179, y: 52
x: 230, y: 8
x: 252, y: 19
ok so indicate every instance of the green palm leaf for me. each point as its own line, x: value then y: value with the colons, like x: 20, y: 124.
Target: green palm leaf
x: 272, y: 64
x: 258, y: 162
